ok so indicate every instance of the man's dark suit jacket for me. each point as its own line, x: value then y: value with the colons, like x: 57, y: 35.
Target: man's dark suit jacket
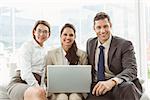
x: 121, y: 59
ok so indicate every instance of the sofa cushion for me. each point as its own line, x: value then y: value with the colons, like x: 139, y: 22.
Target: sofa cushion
x: 3, y: 93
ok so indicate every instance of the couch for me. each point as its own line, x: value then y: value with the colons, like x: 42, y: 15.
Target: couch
x: 12, y: 66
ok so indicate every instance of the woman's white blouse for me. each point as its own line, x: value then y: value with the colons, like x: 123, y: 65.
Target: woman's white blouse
x: 31, y: 58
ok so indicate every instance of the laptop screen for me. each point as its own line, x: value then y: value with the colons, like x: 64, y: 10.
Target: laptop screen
x: 68, y: 78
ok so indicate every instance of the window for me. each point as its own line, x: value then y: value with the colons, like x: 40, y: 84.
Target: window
x: 130, y: 20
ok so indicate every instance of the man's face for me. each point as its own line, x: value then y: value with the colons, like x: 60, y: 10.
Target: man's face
x: 102, y: 28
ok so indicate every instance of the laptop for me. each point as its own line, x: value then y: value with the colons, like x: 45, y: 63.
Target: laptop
x: 68, y: 78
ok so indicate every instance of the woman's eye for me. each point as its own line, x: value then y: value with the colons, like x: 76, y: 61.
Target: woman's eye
x: 71, y: 35
x: 65, y: 34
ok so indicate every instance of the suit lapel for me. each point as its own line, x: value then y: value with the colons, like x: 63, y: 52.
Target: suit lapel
x: 112, y: 50
x: 59, y: 56
x: 93, y: 49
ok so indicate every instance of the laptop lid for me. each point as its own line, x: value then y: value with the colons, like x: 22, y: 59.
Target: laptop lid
x: 68, y: 78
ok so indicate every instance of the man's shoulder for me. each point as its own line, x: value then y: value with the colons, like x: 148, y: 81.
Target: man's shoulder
x: 120, y: 39
x: 92, y: 39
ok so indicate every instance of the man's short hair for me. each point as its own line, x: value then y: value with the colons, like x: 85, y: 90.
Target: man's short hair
x: 101, y: 15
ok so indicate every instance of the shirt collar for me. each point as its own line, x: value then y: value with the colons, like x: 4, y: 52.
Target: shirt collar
x: 36, y: 44
x: 63, y: 51
x: 106, y: 43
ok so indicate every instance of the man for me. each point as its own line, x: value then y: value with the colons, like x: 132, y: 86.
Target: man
x: 114, y: 68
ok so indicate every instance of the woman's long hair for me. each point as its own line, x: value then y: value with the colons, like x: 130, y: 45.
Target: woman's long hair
x: 71, y: 54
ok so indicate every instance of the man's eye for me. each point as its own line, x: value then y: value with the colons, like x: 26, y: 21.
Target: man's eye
x: 98, y: 27
x: 105, y: 26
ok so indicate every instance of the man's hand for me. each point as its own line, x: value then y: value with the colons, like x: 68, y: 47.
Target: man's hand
x: 103, y: 86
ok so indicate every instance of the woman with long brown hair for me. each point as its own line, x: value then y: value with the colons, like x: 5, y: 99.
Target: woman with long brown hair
x: 67, y: 54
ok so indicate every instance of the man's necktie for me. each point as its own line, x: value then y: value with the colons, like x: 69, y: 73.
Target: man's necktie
x: 101, y: 63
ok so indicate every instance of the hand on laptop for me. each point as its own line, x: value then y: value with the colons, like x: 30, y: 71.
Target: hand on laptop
x: 102, y: 87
